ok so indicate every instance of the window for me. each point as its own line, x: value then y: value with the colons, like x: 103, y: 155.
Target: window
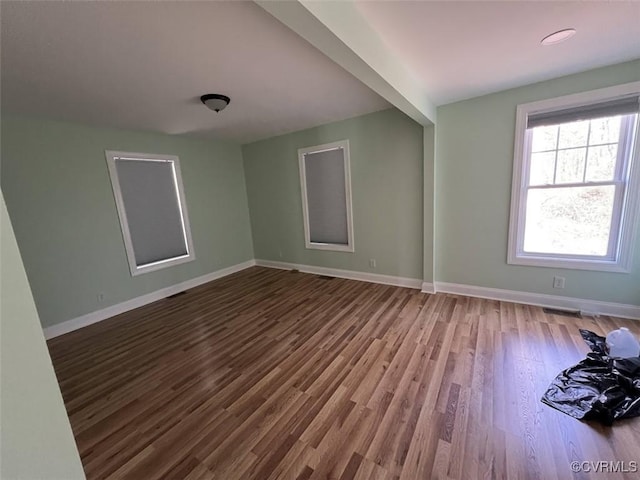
x: 575, y: 187
x: 326, y: 196
x: 153, y: 213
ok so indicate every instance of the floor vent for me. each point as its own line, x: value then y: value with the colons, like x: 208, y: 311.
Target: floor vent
x: 294, y: 270
x: 176, y: 295
x: 566, y: 313
x: 325, y: 277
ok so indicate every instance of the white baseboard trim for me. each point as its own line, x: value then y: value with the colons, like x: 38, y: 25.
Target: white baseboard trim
x: 590, y: 307
x: 428, y: 287
x: 349, y: 274
x: 117, y: 309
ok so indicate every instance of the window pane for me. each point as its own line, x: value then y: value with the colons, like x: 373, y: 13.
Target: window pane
x: 604, y: 130
x: 544, y: 138
x: 601, y: 164
x: 573, y: 134
x: 570, y: 165
x: 574, y: 220
x: 542, y: 168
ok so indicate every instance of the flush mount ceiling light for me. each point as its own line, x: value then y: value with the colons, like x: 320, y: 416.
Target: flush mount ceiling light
x: 559, y: 36
x: 215, y: 101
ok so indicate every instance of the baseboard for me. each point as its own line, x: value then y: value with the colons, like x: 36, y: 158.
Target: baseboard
x: 428, y: 287
x: 113, y: 310
x: 586, y: 306
x: 349, y: 274
x: 591, y: 307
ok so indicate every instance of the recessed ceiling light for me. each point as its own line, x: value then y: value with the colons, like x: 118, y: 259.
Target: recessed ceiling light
x: 559, y: 36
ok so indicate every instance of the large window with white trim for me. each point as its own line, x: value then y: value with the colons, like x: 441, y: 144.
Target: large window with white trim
x: 151, y: 206
x: 575, y: 188
x: 325, y: 181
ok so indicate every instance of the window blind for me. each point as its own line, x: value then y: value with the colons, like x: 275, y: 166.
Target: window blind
x: 151, y: 203
x: 326, y: 197
x: 610, y: 108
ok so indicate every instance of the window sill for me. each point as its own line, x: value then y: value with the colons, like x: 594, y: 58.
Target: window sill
x: 330, y: 247
x: 571, y: 264
x: 152, y: 267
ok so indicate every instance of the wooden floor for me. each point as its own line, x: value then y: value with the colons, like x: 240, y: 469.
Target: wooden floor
x: 269, y: 374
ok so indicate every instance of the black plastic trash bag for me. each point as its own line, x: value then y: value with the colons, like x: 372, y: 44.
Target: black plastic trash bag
x: 599, y: 387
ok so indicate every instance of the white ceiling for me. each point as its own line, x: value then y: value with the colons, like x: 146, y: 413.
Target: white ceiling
x: 465, y: 49
x: 144, y: 65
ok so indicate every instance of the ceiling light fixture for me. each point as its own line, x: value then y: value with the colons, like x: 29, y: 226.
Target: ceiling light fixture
x: 559, y: 36
x: 215, y: 101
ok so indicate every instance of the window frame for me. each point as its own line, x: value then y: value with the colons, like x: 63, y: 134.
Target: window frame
x: 625, y: 220
x: 135, y: 269
x: 344, y: 145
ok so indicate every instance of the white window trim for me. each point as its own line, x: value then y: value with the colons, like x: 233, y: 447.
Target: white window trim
x: 630, y: 215
x: 111, y: 157
x: 344, y: 145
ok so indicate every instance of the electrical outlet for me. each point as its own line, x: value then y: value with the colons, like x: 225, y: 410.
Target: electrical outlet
x: 558, y: 282
x: 100, y: 297
x: 372, y: 262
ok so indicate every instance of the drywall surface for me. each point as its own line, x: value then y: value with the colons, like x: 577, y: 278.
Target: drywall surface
x: 35, y: 436
x: 429, y: 203
x: 386, y: 178
x: 474, y: 158
x: 59, y: 196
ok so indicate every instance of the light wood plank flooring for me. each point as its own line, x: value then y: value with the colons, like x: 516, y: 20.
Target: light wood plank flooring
x: 269, y: 374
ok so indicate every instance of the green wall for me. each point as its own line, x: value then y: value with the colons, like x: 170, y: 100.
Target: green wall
x: 59, y: 197
x: 428, y: 202
x: 428, y: 253
x: 36, y: 440
x: 474, y: 157
x: 386, y: 178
